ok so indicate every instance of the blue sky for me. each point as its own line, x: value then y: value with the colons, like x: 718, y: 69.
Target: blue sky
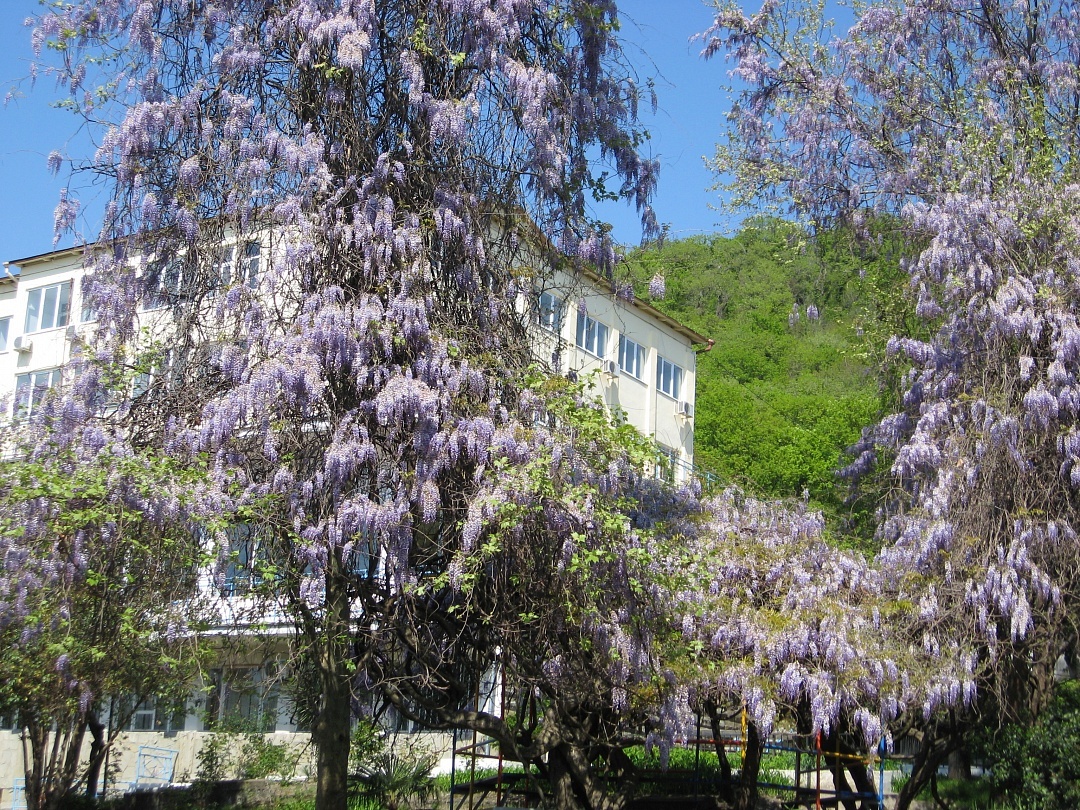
x: 684, y: 129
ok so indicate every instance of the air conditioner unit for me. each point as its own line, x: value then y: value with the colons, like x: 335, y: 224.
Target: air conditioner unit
x: 683, y: 409
x: 22, y: 344
x: 72, y: 334
x: 611, y: 367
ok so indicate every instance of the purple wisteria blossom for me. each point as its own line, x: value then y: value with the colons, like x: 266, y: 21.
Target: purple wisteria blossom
x: 657, y: 287
x: 325, y: 205
x: 984, y: 182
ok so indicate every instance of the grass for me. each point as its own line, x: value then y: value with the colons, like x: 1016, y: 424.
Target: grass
x: 970, y: 794
x: 463, y: 775
x: 682, y: 761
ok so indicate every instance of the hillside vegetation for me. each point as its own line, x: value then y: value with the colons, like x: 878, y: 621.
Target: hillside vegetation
x: 794, y: 375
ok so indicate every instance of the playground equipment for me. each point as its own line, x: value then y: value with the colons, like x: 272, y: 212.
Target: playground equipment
x: 818, y: 780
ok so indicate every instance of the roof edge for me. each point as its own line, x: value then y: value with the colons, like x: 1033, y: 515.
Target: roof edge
x: 692, y: 334
x: 52, y: 254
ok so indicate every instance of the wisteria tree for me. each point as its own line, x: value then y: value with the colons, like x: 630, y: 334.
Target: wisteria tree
x: 326, y: 216
x: 99, y: 608
x: 961, y: 119
x: 769, y: 619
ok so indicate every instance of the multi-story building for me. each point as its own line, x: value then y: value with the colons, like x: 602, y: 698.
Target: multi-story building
x: 641, y: 361
x: 645, y: 361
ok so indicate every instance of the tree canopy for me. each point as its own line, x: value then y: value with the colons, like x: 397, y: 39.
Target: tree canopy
x: 331, y: 211
x: 960, y: 119
x: 325, y: 218
x: 99, y: 599
x: 799, y: 327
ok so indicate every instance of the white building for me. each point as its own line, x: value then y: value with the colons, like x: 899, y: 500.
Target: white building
x: 643, y: 364
x: 646, y: 361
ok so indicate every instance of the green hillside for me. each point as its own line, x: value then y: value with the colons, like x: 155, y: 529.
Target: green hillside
x: 779, y: 399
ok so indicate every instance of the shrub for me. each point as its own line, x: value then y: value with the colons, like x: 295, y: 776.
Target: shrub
x: 262, y: 757
x: 213, y: 758
x: 395, y: 777
x: 1040, y: 764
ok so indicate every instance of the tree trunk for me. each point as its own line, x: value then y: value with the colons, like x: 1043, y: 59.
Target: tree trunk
x: 333, y: 725
x: 864, y: 785
x: 841, y: 788
x: 72, y: 742
x: 562, y: 781
x: 746, y: 795
x: 33, y: 750
x: 843, y: 766
x: 960, y: 764
x: 924, y: 768
x: 98, y: 746
x: 726, y: 791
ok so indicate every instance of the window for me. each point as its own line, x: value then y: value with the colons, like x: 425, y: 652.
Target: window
x: 154, y: 374
x: 151, y: 714
x: 667, y: 463
x: 167, y: 283
x: 88, y: 313
x: 592, y: 336
x: 221, y: 271
x: 5, y: 325
x: 668, y: 378
x: 30, y: 390
x: 249, y: 266
x: 363, y: 562
x: 246, y: 267
x: 549, y: 311
x: 242, y: 699
x: 48, y: 307
x: 631, y: 357
x: 245, y: 556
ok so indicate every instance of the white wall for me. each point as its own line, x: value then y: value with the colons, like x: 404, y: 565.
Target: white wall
x: 648, y: 409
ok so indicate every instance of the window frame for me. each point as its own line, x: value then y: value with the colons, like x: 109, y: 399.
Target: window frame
x: 154, y: 377
x: 245, y: 557
x: 676, y: 374
x: 640, y: 357
x: 37, y: 391
x: 5, y: 332
x: 177, y: 283
x: 87, y: 313
x: 244, y: 696
x: 549, y: 311
x: 241, y: 264
x: 588, y: 336
x: 666, y: 465
x: 61, y: 309
x: 152, y: 715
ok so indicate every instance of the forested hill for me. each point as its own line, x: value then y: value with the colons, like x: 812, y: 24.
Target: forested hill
x: 794, y: 373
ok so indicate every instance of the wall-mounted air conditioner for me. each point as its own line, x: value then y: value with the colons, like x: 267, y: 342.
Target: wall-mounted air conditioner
x: 683, y: 409
x: 611, y: 367
x: 22, y: 344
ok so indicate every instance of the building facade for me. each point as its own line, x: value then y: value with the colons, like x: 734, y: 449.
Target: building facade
x: 638, y: 360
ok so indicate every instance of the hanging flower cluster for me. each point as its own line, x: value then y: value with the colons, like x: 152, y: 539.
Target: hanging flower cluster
x: 979, y: 532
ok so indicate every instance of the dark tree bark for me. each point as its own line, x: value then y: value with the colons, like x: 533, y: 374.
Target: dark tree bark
x: 931, y: 755
x: 746, y: 794
x: 98, y: 747
x: 960, y: 764
x: 332, y: 727
x: 726, y: 789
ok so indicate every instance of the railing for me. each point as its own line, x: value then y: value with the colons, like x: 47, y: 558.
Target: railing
x: 154, y: 766
x: 679, y: 471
